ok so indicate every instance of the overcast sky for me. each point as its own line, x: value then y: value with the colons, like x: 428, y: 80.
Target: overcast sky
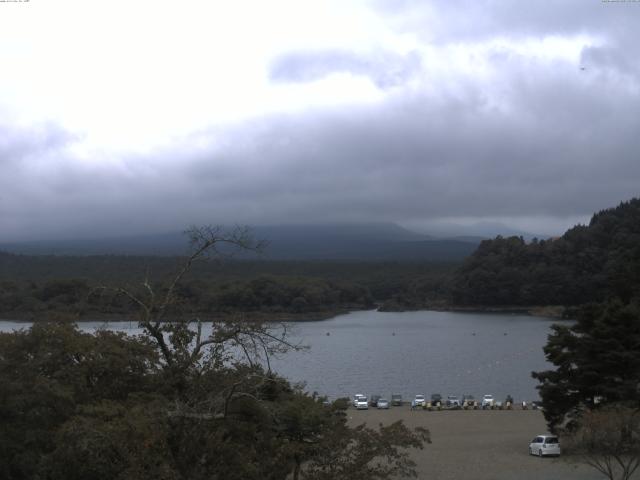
x: 145, y: 116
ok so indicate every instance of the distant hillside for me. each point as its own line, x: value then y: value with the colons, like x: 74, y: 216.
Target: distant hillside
x: 587, y: 264
x: 363, y: 242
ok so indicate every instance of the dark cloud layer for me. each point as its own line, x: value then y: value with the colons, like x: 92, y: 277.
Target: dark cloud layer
x: 472, y: 20
x: 544, y: 140
x: 561, y: 152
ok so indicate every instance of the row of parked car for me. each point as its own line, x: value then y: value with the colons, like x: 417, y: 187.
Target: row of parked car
x: 362, y: 402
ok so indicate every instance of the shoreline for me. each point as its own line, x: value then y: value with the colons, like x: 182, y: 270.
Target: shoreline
x: 548, y: 311
x: 267, y: 317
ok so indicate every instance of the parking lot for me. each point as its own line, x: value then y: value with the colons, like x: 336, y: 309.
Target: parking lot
x: 479, y: 444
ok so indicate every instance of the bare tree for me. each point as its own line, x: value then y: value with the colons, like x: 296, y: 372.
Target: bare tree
x: 180, y: 340
x: 608, y: 439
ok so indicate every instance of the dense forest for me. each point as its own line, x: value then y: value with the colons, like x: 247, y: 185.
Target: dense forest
x: 41, y: 287
x: 589, y: 263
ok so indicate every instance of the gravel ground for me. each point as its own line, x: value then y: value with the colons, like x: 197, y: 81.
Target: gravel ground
x: 479, y: 445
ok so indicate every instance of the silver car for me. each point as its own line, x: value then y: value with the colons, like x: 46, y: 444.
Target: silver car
x: 544, y: 445
x: 383, y: 403
x: 453, y: 401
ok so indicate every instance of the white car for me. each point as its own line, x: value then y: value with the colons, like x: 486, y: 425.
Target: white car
x: 544, y: 445
x: 357, y: 397
x: 418, y: 401
x: 362, y: 403
x: 383, y: 403
x: 487, y: 401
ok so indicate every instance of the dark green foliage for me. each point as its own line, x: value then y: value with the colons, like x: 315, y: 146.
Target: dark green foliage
x: 597, y: 362
x: 45, y: 287
x: 355, y: 455
x: 81, y: 406
x: 48, y: 372
x: 588, y: 263
x: 176, y: 403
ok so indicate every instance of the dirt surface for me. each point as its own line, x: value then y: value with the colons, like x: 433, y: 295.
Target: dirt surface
x: 479, y: 444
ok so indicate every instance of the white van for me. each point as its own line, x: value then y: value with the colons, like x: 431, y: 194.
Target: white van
x: 544, y: 445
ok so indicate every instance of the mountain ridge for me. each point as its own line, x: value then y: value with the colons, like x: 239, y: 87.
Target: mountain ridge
x: 372, y: 241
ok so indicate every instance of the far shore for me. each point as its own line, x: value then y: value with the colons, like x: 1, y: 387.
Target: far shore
x: 550, y: 311
x: 267, y: 317
x: 547, y: 311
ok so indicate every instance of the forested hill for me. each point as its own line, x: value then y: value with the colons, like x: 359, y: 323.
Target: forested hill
x: 587, y: 264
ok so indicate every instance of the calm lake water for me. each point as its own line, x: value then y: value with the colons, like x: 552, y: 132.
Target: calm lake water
x: 409, y: 352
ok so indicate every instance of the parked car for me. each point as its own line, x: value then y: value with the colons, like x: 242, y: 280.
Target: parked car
x: 418, y: 401
x: 487, y: 401
x: 468, y: 401
x: 362, y: 403
x: 536, y: 405
x: 374, y: 400
x: 544, y: 445
x: 357, y: 397
x: 436, y: 398
x: 453, y: 401
x: 396, y: 399
x: 383, y: 403
x: 508, y: 402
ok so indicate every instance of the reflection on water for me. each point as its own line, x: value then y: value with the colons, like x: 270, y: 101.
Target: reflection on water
x: 410, y: 352
x: 420, y: 352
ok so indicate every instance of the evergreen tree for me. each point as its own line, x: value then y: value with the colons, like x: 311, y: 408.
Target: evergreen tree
x: 597, y: 362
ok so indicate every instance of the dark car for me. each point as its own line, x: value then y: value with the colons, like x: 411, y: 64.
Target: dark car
x: 396, y: 399
x: 469, y: 401
x: 374, y: 400
x: 436, y: 398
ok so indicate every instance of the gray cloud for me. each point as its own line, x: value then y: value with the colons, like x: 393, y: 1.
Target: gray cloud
x: 385, y: 69
x: 412, y: 158
x: 17, y: 144
x: 468, y: 20
x: 443, y: 21
x: 544, y: 142
x: 566, y: 147
x: 611, y: 58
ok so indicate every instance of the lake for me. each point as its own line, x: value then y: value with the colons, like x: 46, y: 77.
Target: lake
x: 424, y: 352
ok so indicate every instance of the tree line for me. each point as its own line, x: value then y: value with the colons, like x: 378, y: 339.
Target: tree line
x: 80, y: 298
x: 38, y: 287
